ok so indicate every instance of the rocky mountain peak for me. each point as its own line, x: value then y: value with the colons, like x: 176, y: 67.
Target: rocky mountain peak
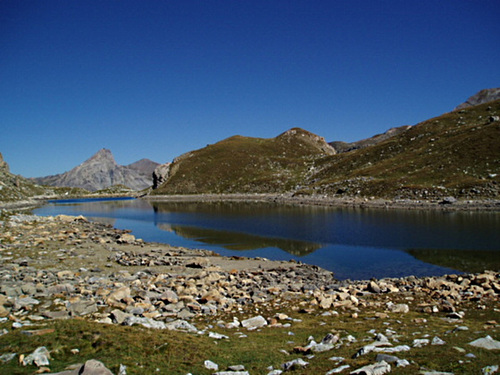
x: 304, y: 136
x: 101, y: 171
x: 3, y: 164
x: 104, y: 156
x: 483, y: 96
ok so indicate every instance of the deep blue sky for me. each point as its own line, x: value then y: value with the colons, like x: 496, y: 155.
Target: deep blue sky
x: 155, y: 79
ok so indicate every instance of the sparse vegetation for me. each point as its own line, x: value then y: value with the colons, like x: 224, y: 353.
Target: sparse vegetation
x: 455, y: 154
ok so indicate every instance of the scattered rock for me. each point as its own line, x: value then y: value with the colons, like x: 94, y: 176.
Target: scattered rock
x: 486, y: 343
x: 379, y: 368
x: 39, y: 357
x: 294, y: 364
x: 211, y: 365
x: 90, y: 367
x: 253, y: 323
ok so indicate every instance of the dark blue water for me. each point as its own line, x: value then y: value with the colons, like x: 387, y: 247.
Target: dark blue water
x: 353, y: 243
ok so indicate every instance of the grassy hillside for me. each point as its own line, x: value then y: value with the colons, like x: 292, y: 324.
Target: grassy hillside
x: 247, y: 165
x: 456, y: 154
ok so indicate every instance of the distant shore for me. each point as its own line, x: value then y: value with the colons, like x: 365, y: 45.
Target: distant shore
x: 354, y: 202
x: 314, y: 200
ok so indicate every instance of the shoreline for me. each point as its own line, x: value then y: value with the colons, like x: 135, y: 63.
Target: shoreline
x: 350, y: 202
x: 92, y: 275
x: 487, y: 205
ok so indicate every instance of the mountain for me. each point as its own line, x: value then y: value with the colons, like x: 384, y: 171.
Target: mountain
x: 101, y: 172
x: 483, y: 96
x: 246, y: 165
x: 456, y: 154
x: 340, y: 146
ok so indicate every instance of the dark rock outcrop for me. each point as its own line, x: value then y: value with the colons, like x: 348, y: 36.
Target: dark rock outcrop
x: 160, y: 174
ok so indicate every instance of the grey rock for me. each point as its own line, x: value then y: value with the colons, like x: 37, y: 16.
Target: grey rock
x: 486, y: 343
x: 181, y: 325
x: 379, y: 368
x: 39, y: 357
x: 236, y: 368
x: 387, y: 358
x: 61, y: 314
x: 296, y: 363
x: 338, y: 370
x: 255, y: 322
x: 418, y: 343
x: 211, y: 365
x: 7, y: 357
x: 81, y: 308
x: 373, y: 287
x: 61, y: 289
x: 437, y: 341
x: 145, y: 322
x: 22, y: 302
x: 119, y: 316
x: 91, y: 367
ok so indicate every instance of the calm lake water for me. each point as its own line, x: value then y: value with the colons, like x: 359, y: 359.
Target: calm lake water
x: 353, y: 243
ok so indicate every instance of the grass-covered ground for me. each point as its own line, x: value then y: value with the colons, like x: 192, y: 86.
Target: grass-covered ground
x: 149, y: 351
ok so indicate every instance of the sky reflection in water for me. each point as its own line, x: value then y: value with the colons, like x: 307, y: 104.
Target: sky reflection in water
x: 355, y: 244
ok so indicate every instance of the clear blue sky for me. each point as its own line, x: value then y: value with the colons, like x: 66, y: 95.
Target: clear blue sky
x: 155, y: 79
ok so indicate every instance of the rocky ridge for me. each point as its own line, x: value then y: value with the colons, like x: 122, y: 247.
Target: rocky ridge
x: 101, y: 171
x: 109, y: 276
x: 483, y: 96
x: 340, y: 146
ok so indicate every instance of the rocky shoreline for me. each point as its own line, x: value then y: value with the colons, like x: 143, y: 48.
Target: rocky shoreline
x: 446, y: 203
x: 67, y: 267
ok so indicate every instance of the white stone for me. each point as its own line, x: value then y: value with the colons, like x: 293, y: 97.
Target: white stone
x: 379, y: 368
x: 437, y: 341
x: 211, y: 365
x: 218, y: 336
x: 486, y: 343
x: 255, y: 322
x: 418, y: 343
x: 338, y: 370
x: 290, y: 365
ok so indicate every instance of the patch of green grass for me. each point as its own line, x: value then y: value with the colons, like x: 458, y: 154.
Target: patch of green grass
x: 144, y: 351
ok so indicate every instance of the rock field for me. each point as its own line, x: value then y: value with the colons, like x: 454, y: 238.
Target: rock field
x: 68, y: 267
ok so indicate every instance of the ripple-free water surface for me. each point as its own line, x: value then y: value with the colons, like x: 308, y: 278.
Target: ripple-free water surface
x: 353, y: 243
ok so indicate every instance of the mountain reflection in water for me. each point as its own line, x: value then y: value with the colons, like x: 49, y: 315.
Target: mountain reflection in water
x: 353, y: 243
x: 243, y: 241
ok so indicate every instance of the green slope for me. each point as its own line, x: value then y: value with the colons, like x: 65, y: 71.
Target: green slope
x: 247, y: 165
x: 457, y: 154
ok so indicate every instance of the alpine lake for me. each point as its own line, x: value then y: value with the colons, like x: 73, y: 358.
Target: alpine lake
x: 356, y: 244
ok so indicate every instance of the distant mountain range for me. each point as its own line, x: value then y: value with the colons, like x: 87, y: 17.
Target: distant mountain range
x: 101, y: 171
x: 456, y: 154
